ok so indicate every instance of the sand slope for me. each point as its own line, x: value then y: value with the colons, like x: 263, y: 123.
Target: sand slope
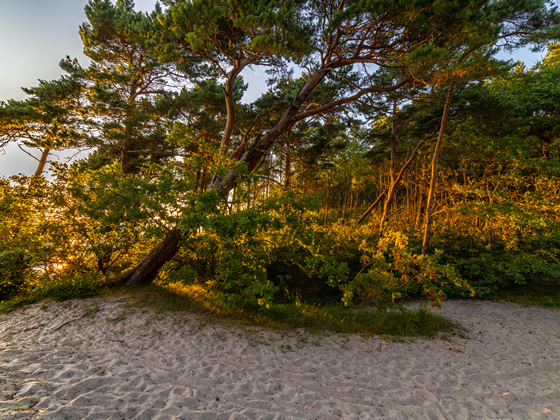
x: 120, y: 362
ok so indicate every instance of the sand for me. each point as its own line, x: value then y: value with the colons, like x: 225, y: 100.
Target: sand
x: 117, y: 361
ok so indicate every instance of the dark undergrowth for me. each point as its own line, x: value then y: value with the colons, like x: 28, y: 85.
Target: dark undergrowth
x: 544, y: 294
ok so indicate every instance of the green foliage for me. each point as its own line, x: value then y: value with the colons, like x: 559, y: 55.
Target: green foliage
x: 392, y: 272
x: 494, y: 266
x: 232, y: 256
x: 62, y: 287
x: 24, y: 225
x: 71, y: 285
x: 50, y: 119
x: 546, y: 294
x: 174, y: 149
x: 14, y: 272
x: 229, y: 253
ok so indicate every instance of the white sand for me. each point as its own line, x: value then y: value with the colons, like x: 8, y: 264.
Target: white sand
x: 184, y: 366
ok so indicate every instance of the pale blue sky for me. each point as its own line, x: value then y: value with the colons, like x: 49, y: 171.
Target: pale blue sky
x: 36, y: 34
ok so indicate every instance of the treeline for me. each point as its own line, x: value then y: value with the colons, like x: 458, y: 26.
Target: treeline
x: 392, y: 155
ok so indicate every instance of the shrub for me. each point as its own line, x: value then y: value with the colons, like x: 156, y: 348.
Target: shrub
x: 14, y: 272
x: 71, y: 285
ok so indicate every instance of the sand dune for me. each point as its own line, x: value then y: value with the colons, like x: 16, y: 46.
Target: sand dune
x: 115, y: 361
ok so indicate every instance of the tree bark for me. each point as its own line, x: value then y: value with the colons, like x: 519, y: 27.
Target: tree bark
x: 125, y: 151
x: 433, y: 181
x: 42, y: 161
x: 370, y: 208
x: 420, y: 209
x: 230, y: 105
x: 126, y: 147
x: 146, y: 271
x: 287, y: 167
x: 392, y: 171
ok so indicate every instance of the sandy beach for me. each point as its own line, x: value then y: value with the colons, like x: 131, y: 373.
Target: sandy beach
x: 117, y: 361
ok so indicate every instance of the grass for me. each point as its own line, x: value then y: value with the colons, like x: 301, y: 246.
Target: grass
x: 313, y: 318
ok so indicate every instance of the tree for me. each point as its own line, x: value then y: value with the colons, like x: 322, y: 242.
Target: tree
x: 50, y: 119
x: 533, y: 96
x: 126, y: 85
x: 360, y: 36
x: 514, y: 25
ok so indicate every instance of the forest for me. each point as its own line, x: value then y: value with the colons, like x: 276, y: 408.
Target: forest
x: 391, y: 156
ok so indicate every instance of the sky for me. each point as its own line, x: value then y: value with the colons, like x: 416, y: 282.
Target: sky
x: 36, y: 34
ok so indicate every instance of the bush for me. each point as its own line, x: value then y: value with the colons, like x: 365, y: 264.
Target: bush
x: 14, y: 272
x: 71, y: 285
x: 497, y: 265
x: 281, y: 253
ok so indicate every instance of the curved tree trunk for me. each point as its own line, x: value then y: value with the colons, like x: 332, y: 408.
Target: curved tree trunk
x: 391, y: 189
x: 146, y: 270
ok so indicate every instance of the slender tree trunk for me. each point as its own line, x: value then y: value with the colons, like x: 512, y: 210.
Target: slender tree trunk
x: 125, y: 151
x: 370, y: 208
x: 42, y: 161
x: 287, y: 167
x: 128, y: 130
x: 202, y: 178
x: 392, y: 171
x: 326, y: 203
x: 420, y: 201
x: 394, y: 143
x: 433, y: 180
x: 391, y: 189
x: 387, y: 206
x: 420, y: 208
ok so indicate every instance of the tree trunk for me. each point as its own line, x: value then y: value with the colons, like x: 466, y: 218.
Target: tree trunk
x: 125, y: 151
x: 230, y: 105
x: 435, y: 158
x: 387, y: 206
x: 420, y: 209
x: 146, y: 271
x: 287, y: 167
x: 370, y: 208
x: 392, y: 172
x: 42, y: 161
x: 126, y: 147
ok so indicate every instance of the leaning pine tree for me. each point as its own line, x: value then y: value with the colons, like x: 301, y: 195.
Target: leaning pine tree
x: 340, y: 44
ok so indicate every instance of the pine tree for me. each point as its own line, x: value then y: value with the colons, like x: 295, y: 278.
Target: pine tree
x: 126, y: 86
x: 50, y: 119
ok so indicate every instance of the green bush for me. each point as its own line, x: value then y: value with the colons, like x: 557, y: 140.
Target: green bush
x: 14, y: 272
x: 280, y: 252
x: 71, y: 285
x: 491, y: 267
